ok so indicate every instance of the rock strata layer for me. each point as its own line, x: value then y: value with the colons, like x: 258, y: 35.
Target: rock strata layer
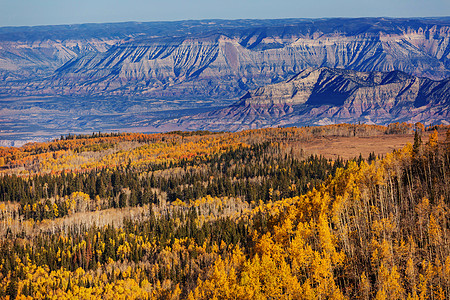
x: 213, y: 58
x: 328, y: 96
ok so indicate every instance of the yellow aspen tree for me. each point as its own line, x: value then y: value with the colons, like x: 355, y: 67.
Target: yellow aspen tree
x: 55, y: 210
x: 364, y: 286
x: 423, y: 282
x: 390, y: 284
x: 430, y: 277
x: 410, y: 275
x: 433, y: 139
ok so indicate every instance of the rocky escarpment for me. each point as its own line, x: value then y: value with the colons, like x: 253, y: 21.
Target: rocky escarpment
x: 327, y: 96
x: 138, y: 76
x: 219, y: 59
x: 36, y: 52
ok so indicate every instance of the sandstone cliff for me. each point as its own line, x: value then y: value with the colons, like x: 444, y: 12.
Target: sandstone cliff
x: 327, y: 96
x: 219, y: 59
x: 150, y: 76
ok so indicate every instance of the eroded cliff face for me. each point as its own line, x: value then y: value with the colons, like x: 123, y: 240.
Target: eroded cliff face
x: 158, y: 76
x: 221, y: 59
x: 222, y: 67
x: 327, y: 96
x: 20, y: 60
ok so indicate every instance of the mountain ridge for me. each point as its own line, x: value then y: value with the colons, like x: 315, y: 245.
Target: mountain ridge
x: 327, y: 96
x: 139, y: 76
x: 212, y: 58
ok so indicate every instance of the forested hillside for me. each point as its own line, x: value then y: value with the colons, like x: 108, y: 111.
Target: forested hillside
x: 247, y: 215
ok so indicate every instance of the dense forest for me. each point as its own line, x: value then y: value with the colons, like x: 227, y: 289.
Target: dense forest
x: 247, y: 215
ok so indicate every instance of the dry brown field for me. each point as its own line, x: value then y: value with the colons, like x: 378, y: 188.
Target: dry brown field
x: 351, y: 147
